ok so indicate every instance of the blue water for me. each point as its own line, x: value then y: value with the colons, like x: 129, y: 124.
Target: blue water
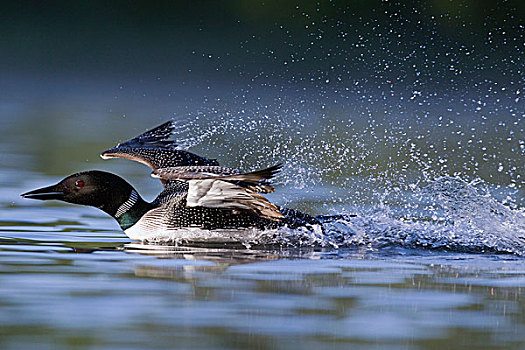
x: 406, y: 119
x: 433, y: 259
x: 85, y: 293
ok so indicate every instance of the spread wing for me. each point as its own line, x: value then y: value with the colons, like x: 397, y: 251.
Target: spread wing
x: 154, y: 149
x: 216, y: 187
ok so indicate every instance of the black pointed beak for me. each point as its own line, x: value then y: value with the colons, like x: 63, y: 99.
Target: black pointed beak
x: 45, y: 193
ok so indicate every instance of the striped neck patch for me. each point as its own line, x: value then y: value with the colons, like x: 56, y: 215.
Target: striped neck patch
x: 127, y: 204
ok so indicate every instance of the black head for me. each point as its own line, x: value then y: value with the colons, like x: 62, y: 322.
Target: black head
x: 99, y: 189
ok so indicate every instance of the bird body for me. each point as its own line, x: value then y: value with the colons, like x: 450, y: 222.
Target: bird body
x: 198, y: 193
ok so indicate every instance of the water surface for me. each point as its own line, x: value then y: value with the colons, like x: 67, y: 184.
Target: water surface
x: 436, y: 265
x: 408, y: 116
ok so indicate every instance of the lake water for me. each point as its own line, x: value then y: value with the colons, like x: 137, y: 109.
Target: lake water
x: 433, y: 260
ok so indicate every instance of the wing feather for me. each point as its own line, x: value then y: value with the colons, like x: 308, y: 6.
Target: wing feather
x: 154, y: 149
x: 254, y: 180
x: 215, y: 187
x: 213, y: 193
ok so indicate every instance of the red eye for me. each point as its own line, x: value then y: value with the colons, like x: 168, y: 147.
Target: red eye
x: 79, y: 183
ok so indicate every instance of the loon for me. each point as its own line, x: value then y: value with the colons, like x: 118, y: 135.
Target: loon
x: 198, y: 192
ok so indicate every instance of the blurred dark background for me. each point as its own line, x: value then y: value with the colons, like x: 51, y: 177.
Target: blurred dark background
x: 291, y: 41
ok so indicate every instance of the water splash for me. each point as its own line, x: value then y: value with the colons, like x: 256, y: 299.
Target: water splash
x: 416, y: 136
x: 407, y: 199
x: 460, y: 217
